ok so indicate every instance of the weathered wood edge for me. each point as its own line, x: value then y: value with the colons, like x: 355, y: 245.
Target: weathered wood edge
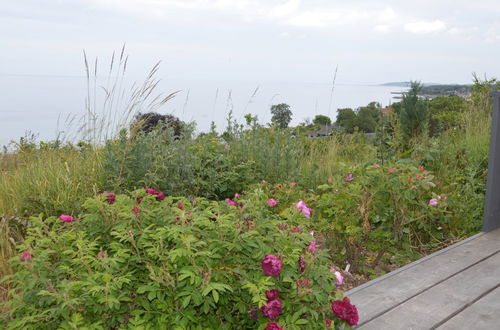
x: 410, y: 265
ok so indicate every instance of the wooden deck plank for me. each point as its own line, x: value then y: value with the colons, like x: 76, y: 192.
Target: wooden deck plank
x: 381, y: 295
x: 483, y: 314
x: 431, y: 307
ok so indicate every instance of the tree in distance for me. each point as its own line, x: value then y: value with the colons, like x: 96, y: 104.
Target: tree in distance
x: 322, y: 120
x: 281, y: 115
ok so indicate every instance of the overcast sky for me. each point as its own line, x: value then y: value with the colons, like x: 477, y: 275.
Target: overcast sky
x: 265, y: 40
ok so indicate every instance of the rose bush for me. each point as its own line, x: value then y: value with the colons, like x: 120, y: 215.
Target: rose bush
x: 154, y: 262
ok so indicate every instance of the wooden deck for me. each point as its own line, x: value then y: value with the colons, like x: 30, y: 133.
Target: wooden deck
x: 455, y: 288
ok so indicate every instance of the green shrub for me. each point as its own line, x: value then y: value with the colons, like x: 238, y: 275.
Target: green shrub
x: 171, y: 264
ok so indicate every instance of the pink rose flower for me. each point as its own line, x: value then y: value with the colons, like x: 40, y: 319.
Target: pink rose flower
x: 349, y: 178
x: 312, y: 247
x: 271, y: 265
x: 344, y: 310
x: 272, y: 294
x: 302, y: 207
x: 273, y: 326
x: 66, y: 218
x: 433, y: 202
x: 340, y: 278
x: 272, y: 310
x: 159, y: 194
x: 272, y: 202
x: 230, y: 202
x: 110, y: 197
x: 25, y: 256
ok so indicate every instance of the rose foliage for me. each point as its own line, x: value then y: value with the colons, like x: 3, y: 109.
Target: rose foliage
x: 145, y: 262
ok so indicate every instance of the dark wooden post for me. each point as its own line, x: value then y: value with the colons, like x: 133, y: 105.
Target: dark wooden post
x: 492, y: 204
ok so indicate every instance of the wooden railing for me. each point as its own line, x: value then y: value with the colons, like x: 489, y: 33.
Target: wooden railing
x: 491, y: 219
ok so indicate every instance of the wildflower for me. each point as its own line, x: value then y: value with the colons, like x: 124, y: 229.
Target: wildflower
x: 273, y: 326
x: 330, y: 180
x: 272, y: 294
x: 392, y: 170
x: 418, y: 177
x: 135, y: 209
x: 296, y: 229
x: 344, y: 310
x: 374, y: 165
x: 328, y: 322
x: 180, y: 206
x: 139, y: 200
x: 25, y: 256
x: 236, y: 195
x: 66, y: 218
x: 230, y: 202
x: 189, y: 213
x: 272, y: 202
x: 427, y: 183
x: 442, y: 197
x: 433, y: 202
x: 312, y: 247
x: 349, y: 178
x: 272, y: 310
x: 293, y: 184
x: 271, y: 265
x: 302, y: 207
x: 421, y: 168
x: 340, y: 278
x: 302, y: 264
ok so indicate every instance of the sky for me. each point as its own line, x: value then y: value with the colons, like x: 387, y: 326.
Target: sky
x: 257, y: 40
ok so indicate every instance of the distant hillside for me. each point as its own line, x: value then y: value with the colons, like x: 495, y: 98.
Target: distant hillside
x: 431, y: 90
x: 397, y: 84
x: 452, y: 89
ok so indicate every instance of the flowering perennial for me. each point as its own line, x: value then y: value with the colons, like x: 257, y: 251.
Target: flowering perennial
x: 271, y: 265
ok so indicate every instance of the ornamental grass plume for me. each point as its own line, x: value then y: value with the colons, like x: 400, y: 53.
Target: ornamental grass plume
x: 271, y: 265
x: 66, y: 218
x: 344, y: 310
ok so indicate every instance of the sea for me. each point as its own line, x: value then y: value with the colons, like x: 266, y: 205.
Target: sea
x: 45, y: 107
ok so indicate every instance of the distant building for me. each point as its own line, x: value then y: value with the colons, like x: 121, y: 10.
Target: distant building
x: 324, y: 131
